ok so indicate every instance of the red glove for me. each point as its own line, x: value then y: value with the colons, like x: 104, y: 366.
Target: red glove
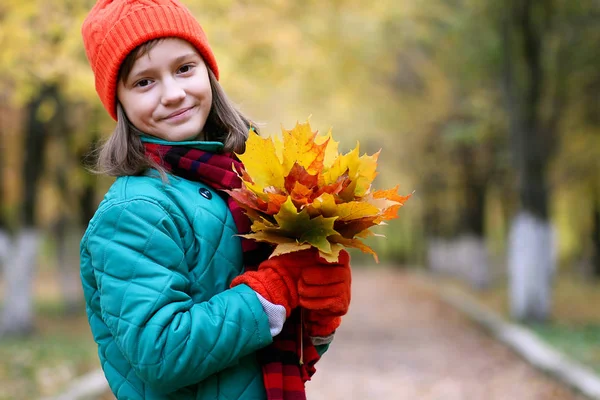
x: 318, y: 323
x: 324, y: 290
x: 276, y: 279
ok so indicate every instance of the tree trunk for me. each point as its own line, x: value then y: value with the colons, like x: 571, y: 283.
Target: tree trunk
x: 17, y: 313
x: 531, y: 261
x: 472, y: 248
x: 66, y: 224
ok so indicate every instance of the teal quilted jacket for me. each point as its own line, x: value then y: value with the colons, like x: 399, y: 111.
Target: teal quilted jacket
x: 156, y: 263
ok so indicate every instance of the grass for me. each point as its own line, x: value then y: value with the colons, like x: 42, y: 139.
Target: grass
x: 582, y: 343
x: 574, y: 326
x: 44, y: 363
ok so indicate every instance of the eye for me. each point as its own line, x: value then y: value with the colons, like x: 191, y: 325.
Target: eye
x: 185, y: 68
x: 143, y: 83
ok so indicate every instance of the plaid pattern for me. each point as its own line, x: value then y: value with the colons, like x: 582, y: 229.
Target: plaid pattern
x: 284, y: 374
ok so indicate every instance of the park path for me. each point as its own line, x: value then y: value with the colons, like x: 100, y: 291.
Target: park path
x: 400, y: 341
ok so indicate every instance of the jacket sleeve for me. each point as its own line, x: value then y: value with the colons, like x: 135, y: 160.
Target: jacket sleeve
x: 322, y: 349
x: 170, y: 341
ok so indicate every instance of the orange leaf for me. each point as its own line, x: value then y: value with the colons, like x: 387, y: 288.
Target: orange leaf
x: 299, y: 174
x: 275, y: 202
x: 335, y: 187
x: 391, y: 194
x: 300, y: 195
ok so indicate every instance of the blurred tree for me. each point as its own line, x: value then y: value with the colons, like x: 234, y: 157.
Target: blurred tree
x: 18, y: 273
x: 448, y: 73
x: 4, y: 223
x: 42, y: 57
x: 535, y: 97
x: 577, y: 169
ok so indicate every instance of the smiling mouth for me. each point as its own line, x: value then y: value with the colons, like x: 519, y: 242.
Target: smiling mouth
x: 178, y: 113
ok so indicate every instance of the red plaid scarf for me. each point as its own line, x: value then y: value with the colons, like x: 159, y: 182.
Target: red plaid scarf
x: 283, y: 374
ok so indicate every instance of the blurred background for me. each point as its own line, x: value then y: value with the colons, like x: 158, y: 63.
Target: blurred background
x: 488, y: 111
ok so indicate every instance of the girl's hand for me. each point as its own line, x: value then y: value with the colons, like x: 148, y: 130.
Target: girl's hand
x: 276, y: 279
x: 319, y: 324
x: 325, y: 287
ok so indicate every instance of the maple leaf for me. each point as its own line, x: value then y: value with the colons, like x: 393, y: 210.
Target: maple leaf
x: 262, y: 163
x: 305, y: 229
x: 300, y: 192
x: 331, y: 152
x: 294, y: 228
x: 300, y: 147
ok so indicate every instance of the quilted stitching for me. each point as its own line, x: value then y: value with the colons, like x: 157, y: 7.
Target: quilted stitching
x: 192, y: 340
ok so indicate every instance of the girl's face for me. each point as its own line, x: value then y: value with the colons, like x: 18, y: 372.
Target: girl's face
x: 167, y: 94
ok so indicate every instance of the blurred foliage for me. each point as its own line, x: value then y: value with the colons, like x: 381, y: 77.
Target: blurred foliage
x: 421, y: 80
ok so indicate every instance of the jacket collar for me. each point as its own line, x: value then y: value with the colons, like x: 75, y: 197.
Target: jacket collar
x: 213, y: 147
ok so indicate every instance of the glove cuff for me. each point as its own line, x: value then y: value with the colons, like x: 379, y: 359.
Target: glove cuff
x: 275, y: 288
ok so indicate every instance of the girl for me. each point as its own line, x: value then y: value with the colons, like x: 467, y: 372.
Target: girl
x: 179, y: 306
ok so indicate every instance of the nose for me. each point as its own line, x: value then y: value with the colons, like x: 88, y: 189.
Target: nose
x: 173, y: 92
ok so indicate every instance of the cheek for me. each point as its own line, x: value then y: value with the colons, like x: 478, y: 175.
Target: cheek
x: 208, y: 99
x: 140, y: 109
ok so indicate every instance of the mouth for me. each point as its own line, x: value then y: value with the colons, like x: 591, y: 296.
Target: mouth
x: 178, y: 113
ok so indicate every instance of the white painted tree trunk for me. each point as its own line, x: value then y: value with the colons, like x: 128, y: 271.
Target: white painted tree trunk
x: 5, y: 246
x: 465, y: 257
x: 531, y: 266
x: 17, y: 313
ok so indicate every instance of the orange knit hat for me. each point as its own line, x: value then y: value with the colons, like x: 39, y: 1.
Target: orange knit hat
x: 114, y: 28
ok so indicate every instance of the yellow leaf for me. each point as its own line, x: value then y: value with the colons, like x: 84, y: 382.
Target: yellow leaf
x: 334, y: 255
x: 290, y: 247
x: 299, y: 146
x: 331, y: 152
x: 356, y: 210
x: 278, y: 147
x: 261, y: 163
x: 325, y: 205
x: 361, y: 171
x: 263, y: 225
x: 283, y: 244
x: 366, y: 173
x: 341, y: 166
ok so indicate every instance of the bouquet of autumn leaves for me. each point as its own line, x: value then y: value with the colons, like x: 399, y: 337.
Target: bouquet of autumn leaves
x: 301, y: 193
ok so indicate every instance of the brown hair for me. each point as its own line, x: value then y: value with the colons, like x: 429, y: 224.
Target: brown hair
x: 123, y: 153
